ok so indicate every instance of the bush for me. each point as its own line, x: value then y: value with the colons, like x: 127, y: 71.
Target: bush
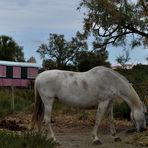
x: 27, y: 140
x: 121, y: 110
x: 138, y: 76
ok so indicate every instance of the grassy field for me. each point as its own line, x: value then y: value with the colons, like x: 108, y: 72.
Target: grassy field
x: 26, y: 140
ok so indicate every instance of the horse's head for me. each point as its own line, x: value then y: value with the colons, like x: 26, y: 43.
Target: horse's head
x: 138, y: 118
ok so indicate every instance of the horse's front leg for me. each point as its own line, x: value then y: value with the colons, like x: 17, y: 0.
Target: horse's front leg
x: 102, y: 107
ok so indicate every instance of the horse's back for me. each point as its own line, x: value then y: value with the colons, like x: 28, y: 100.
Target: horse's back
x: 97, y: 76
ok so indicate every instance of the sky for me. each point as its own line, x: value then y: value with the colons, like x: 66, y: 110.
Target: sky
x: 29, y: 23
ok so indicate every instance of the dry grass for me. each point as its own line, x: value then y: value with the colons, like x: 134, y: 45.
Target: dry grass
x: 139, y: 138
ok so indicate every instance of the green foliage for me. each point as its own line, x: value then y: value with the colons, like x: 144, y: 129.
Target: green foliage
x: 113, y: 21
x: 31, y: 60
x: 49, y: 64
x: 123, y: 59
x: 71, y: 55
x: 10, y: 50
x: 26, y: 140
x: 121, y: 110
x: 23, y: 100
x: 85, y: 60
x: 138, y: 76
x: 59, y: 53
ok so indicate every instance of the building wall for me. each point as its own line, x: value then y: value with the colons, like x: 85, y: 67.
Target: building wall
x: 17, y: 76
x: 14, y: 82
x: 2, y: 71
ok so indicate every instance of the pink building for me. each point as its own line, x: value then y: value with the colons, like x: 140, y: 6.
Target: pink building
x: 17, y: 73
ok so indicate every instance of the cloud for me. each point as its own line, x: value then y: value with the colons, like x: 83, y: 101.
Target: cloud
x: 12, y: 3
x: 30, y: 22
x: 39, y: 14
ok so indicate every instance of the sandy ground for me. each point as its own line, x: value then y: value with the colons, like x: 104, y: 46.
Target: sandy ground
x: 72, y: 133
x: 81, y: 138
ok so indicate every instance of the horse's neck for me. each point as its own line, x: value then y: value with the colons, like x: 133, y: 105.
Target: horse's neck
x: 133, y: 100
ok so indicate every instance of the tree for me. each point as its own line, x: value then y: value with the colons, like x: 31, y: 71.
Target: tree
x: 112, y: 21
x: 10, y: 50
x: 85, y: 60
x: 31, y: 60
x: 146, y: 58
x: 123, y: 59
x: 49, y: 64
x: 59, y: 53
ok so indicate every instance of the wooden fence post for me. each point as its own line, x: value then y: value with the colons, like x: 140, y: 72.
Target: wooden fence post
x: 12, y: 98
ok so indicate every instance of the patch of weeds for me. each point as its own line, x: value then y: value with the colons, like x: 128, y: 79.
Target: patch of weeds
x: 26, y: 140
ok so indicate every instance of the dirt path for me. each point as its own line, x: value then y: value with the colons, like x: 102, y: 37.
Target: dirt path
x: 81, y: 138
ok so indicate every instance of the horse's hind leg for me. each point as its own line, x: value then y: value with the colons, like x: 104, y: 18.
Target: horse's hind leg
x: 47, y: 117
x: 102, y: 107
x: 111, y: 119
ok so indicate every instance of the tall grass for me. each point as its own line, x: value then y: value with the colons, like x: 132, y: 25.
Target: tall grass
x: 23, y: 100
x: 26, y: 140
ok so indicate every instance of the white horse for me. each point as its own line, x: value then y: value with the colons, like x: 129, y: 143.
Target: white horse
x: 94, y: 88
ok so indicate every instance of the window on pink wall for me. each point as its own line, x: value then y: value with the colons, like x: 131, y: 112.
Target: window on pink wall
x: 2, y: 71
x: 32, y: 72
x: 16, y: 72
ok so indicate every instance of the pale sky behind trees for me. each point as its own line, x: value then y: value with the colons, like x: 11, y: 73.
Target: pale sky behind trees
x: 30, y: 22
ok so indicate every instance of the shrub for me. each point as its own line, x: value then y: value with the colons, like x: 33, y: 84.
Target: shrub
x: 121, y: 110
x: 26, y: 140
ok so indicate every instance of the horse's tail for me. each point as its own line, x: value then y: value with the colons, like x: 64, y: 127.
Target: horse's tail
x: 38, y: 113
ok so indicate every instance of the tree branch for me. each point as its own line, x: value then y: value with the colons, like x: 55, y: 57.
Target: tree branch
x: 106, y: 33
x: 134, y: 30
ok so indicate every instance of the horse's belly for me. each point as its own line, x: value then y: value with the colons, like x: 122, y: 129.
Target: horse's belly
x: 82, y: 101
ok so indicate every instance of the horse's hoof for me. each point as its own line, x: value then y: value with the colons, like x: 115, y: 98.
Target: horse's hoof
x: 57, y: 143
x: 132, y: 130
x: 117, y: 139
x: 54, y: 141
x: 97, y: 142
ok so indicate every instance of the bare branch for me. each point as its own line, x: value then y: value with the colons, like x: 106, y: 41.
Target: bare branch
x: 106, y: 33
x: 134, y: 30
